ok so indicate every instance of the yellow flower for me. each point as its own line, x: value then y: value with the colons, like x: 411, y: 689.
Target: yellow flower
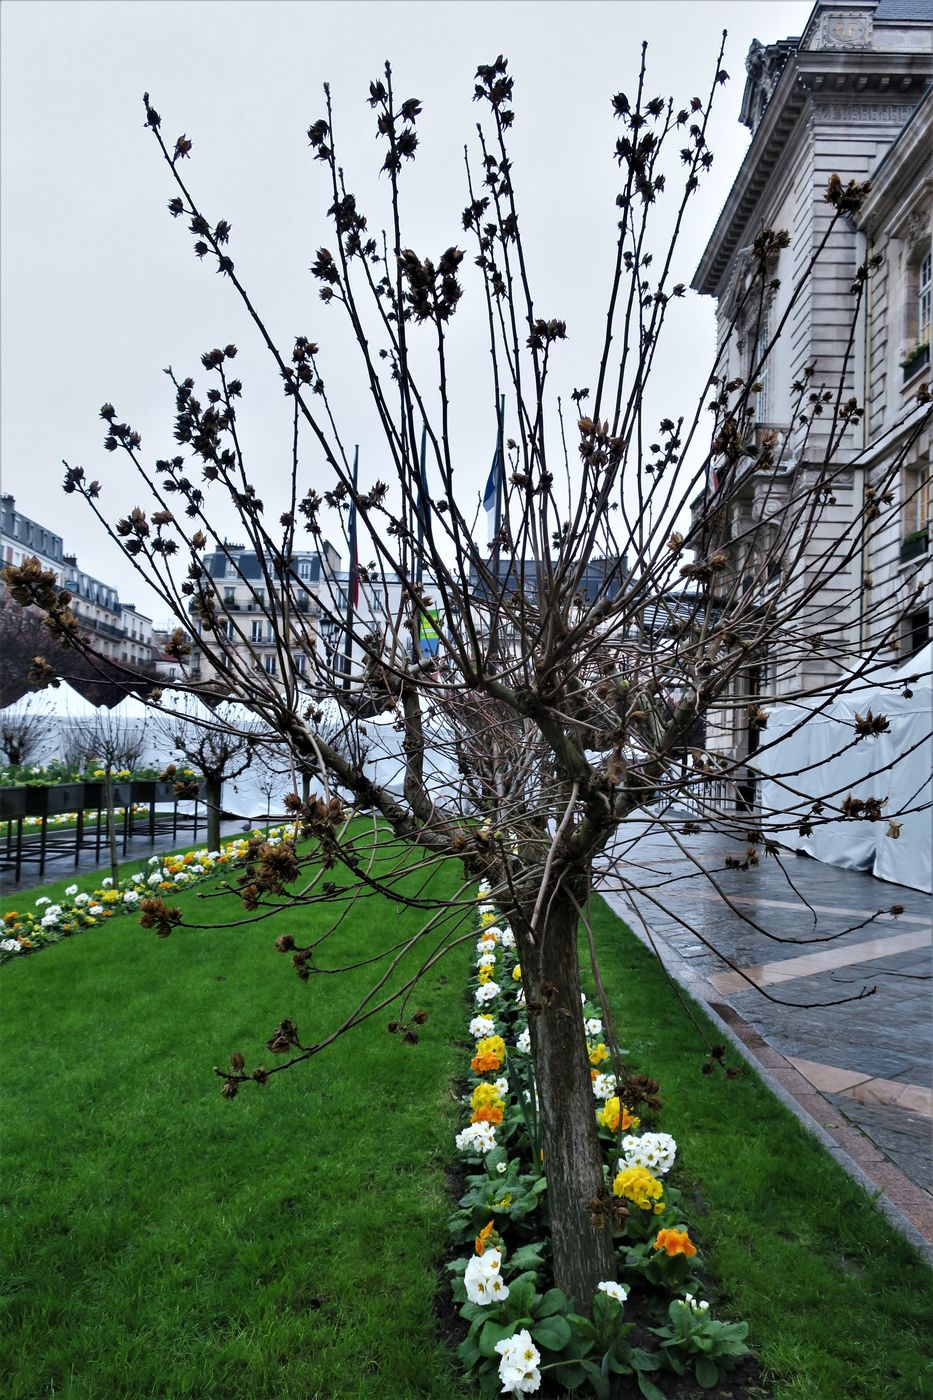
x: 485, y: 1094
x: 487, y: 919
x: 637, y: 1184
x: 485, y: 975
x: 503, y: 1204
x: 598, y: 1053
x: 516, y: 973
x: 609, y: 1116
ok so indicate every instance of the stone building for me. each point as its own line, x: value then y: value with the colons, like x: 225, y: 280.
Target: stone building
x: 245, y: 595
x: 117, y: 630
x: 848, y: 97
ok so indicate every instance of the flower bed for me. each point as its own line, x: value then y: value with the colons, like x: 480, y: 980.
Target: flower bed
x: 522, y: 1331
x: 83, y: 908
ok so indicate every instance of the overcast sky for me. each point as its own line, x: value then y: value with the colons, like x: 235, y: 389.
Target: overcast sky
x: 101, y: 291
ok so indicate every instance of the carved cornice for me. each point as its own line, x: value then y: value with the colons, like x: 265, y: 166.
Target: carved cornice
x: 856, y: 78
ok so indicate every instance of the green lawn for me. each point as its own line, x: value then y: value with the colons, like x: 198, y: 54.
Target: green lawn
x: 163, y: 1242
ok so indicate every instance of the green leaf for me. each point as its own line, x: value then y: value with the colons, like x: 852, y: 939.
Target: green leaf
x: 648, y: 1388
x: 597, y: 1380
x: 553, y: 1333
x: 553, y: 1301
x: 645, y: 1360
x: 492, y: 1333
x: 706, y: 1372
x: 528, y: 1256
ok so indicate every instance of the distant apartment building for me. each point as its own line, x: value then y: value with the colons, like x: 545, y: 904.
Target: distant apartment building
x: 117, y: 630
x: 269, y: 624
x: 21, y: 538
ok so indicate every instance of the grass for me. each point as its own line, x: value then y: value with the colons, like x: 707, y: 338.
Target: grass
x: 163, y: 1242
x: 837, y: 1302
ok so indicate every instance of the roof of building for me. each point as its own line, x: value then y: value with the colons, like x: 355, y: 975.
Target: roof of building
x: 905, y: 9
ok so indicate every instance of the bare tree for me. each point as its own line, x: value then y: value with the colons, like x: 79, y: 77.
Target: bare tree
x: 23, y: 729
x: 113, y: 744
x: 219, y: 748
x: 577, y: 658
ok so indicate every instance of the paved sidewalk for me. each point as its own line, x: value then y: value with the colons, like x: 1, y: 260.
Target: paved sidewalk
x: 860, y: 1070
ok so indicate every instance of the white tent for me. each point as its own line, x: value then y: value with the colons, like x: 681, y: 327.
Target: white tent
x: 817, y: 761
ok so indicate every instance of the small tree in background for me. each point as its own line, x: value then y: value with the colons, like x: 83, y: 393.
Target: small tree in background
x: 112, y: 745
x: 576, y: 658
x: 218, y: 749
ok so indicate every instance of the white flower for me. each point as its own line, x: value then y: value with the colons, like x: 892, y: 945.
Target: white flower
x: 518, y: 1368
x: 486, y: 960
x: 523, y: 1042
x: 507, y: 937
x: 520, y: 997
x: 487, y: 908
x: 483, y: 887
x: 655, y: 1151
x: 502, y: 1086
x: 478, y: 1137
x: 481, y: 1026
x: 155, y: 878
x: 81, y: 900
x: 482, y: 1279
x: 486, y: 992
x: 487, y: 943
x: 138, y: 878
x: 693, y: 1305
x: 44, y: 900
x: 182, y: 878
x: 604, y: 1086
x: 95, y: 909
x: 9, y: 945
x: 154, y: 860
x: 107, y: 882
x: 49, y: 920
x: 583, y: 998
x: 501, y: 1167
x: 594, y: 1026
x: 131, y: 897
x: 71, y: 890
x: 53, y: 911
x: 615, y: 1290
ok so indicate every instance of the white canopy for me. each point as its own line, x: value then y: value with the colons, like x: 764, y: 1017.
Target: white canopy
x: 818, y: 761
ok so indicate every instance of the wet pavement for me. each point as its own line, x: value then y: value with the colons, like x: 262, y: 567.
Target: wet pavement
x: 860, y: 1069
x: 60, y: 859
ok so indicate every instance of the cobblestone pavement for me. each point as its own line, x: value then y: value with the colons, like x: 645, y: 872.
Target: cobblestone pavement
x: 861, y: 1070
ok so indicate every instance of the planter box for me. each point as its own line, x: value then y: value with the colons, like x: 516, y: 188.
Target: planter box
x: 918, y: 363
x: 12, y: 803
x: 51, y: 801
x: 95, y: 794
x: 912, y: 549
x: 148, y: 790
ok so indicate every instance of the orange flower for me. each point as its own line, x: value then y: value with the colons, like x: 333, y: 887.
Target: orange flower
x: 609, y: 1116
x: 482, y: 1239
x: 483, y: 1063
x: 489, y: 1113
x: 675, y: 1242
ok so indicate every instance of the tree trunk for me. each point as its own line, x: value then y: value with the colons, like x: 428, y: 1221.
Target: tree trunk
x: 582, y: 1251
x: 212, y: 797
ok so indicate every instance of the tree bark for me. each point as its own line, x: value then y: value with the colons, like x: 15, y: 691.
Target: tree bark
x: 111, y: 825
x: 582, y: 1250
x: 212, y: 795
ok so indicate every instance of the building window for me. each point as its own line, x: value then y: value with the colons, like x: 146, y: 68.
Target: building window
x: 300, y: 663
x: 924, y: 298
x: 916, y: 482
x: 256, y: 632
x: 268, y: 663
x: 304, y: 568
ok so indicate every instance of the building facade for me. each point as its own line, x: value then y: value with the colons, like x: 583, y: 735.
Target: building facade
x: 116, y: 630
x: 850, y: 97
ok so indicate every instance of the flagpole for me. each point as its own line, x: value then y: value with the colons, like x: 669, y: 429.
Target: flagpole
x: 352, y: 576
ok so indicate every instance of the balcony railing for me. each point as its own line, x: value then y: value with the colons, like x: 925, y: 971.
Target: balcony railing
x: 915, y: 362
